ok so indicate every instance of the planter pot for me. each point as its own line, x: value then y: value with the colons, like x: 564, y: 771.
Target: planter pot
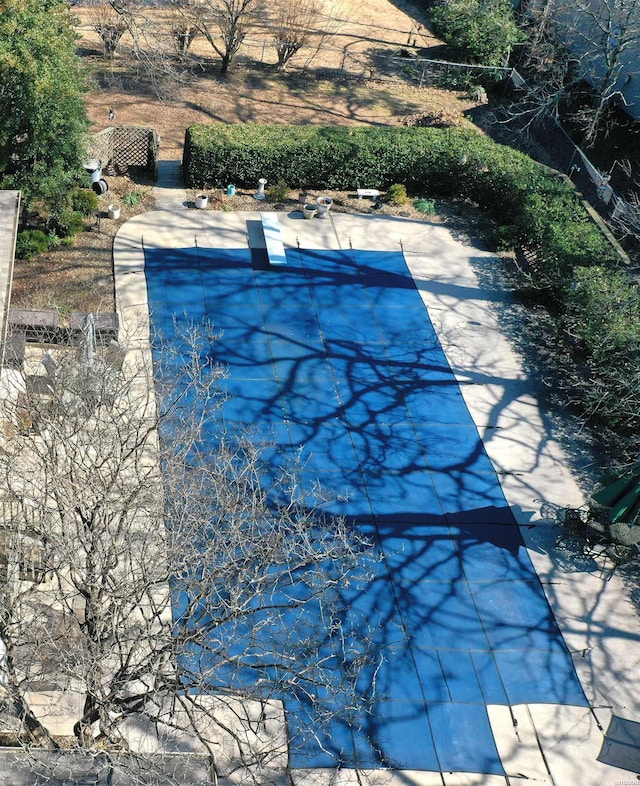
x: 324, y: 205
x: 309, y: 211
x: 113, y: 211
x: 202, y: 200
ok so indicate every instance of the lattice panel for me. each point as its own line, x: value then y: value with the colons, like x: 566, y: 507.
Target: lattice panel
x: 121, y: 147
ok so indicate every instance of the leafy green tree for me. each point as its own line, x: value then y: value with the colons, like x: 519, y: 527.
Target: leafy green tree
x: 479, y: 31
x: 43, y: 119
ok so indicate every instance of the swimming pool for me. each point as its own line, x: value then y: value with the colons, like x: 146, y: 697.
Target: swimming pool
x: 336, y: 354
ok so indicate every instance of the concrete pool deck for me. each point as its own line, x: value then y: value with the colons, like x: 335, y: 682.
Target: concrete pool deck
x: 550, y: 743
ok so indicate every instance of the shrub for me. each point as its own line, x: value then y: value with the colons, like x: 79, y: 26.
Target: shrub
x: 478, y: 94
x: 66, y: 223
x: 604, y: 308
x: 423, y: 205
x: 397, y: 194
x: 84, y: 200
x: 604, y: 315
x: 503, y: 238
x: 30, y: 243
x: 132, y: 199
x: 478, y: 31
x: 279, y: 192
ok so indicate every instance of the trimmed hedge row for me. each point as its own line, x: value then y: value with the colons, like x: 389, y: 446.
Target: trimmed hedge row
x: 530, y: 204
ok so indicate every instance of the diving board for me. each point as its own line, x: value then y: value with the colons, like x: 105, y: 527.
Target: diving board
x: 273, y: 239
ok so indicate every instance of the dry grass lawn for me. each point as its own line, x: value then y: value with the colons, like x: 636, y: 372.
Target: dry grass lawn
x: 349, y: 81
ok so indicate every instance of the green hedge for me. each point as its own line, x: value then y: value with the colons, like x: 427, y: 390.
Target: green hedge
x: 446, y: 162
x: 30, y: 243
x: 531, y: 204
x: 603, y: 313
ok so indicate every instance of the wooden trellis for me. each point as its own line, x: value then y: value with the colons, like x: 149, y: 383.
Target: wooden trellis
x: 120, y: 148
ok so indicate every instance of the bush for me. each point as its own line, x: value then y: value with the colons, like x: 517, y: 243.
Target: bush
x: 477, y: 93
x: 318, y: 157
x: 427, y: 206
x: 132, y: 199
x: 478, y: 31
x: 84, y: 201
x: 604, y: 309
x: 397, y: 195
x: 30, y: 243
x: 279, y: 192
x: 503, y: 238
x: 604, y: 315
x: 66, y: 223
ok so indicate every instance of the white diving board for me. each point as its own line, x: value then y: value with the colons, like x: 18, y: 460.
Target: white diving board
x: 273, y: 239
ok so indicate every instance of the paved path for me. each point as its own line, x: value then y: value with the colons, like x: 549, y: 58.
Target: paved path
x: 169, y: 189
x: 9, y: 215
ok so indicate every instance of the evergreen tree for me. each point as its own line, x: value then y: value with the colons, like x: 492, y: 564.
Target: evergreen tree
x: 42, y: 117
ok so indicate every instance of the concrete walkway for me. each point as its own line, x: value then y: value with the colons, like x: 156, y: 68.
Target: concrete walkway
x: 9, y: 215
x: 169, y: 189
x: 549, y: 744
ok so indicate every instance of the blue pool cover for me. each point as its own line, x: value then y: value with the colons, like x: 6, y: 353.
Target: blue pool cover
x: 337, y: 353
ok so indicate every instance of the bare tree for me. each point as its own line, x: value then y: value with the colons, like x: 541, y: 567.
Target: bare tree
x: 184, y: 27
x: 296, y: 25
x: 585, y: 42
x: 131, y: 14
x: 293, y: 24
x: 150, y: 55
x: 154, y: 583
x: 224, y: 23
x: 108, y: 24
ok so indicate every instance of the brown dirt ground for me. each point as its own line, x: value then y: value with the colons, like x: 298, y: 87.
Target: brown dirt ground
x: 339, y: 87
x: 80, y: 277
x: 346, y: 83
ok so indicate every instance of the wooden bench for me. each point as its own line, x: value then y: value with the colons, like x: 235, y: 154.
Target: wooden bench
x: 368, y: 192
x: 39, y: 325
x: 273, y: 239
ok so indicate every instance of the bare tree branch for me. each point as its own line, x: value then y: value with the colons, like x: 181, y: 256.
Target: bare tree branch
x: 576, y: 44
x: 178, y: 600
x: 224, y: 23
